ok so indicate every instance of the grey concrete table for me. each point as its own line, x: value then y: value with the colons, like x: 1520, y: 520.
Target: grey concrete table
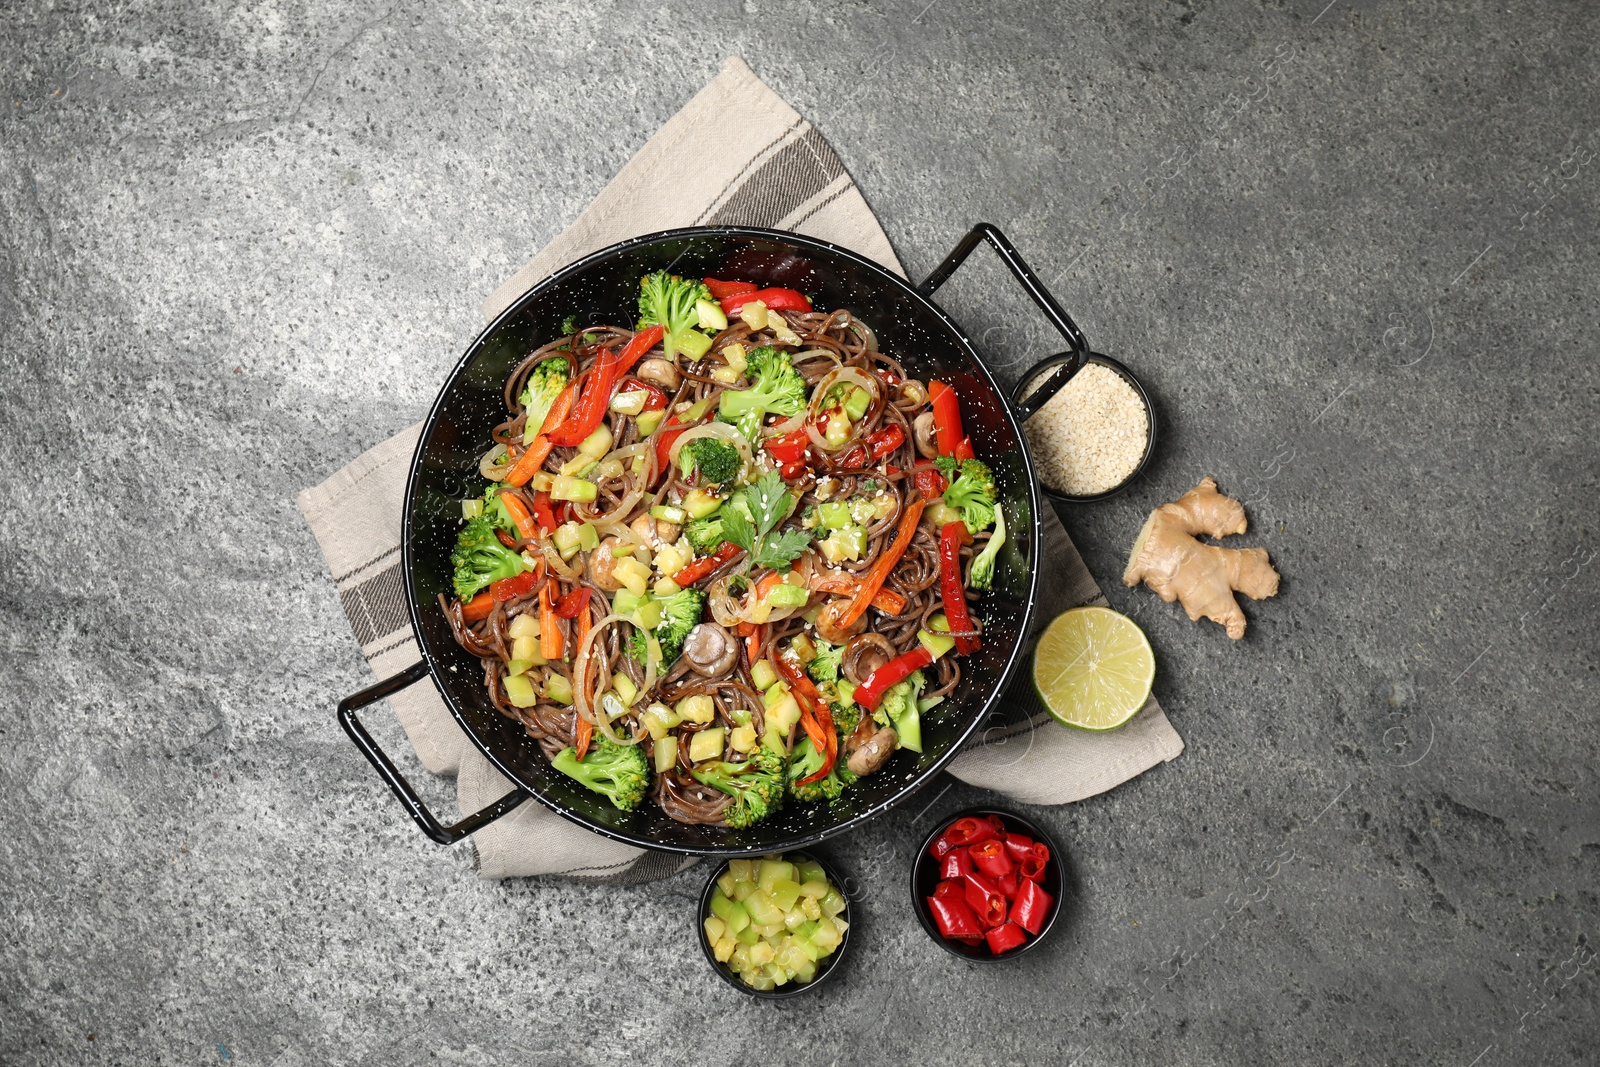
x: 1351, y: 248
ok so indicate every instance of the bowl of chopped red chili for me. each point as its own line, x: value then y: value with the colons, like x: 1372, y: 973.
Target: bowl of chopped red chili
x: 987, y: 885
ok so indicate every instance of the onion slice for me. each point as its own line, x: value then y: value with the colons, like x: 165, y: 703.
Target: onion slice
x: 843, y: 376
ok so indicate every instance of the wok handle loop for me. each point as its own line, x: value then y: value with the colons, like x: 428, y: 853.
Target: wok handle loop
x: 1036, y: 291
x: 437, y: 831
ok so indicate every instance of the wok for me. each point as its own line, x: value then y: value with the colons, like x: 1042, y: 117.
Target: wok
x: 603, y: 287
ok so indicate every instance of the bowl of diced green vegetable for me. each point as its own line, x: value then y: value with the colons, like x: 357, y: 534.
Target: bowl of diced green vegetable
x: 774, y: 926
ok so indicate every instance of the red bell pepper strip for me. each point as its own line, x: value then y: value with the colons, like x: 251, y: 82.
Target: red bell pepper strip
x: 634, y: 350
x: 593, y: 399
x: 878, y: 573
x: 1032, y: 907
x: 723, y: 290
x: 984, y: 898
x: 815, y: 716
x: 878, y: 446
x: 929, y: 482
x: 954, y: 918
x: 1032, y: 866
x: 951, y: 590
x: 1003, y: 939
x: 1018, y: 846
x: 1007, y: 884
x: 966, y: 830
x: 573, y: 604
x: 870, y: 692
x: 706, y: 564
x: 513, y: 587
x: 789, y: 448
x: 947, y: 433
x: 956, y: 864
x: 776, y: 299
x: 541, y: 511
x: 989, y: 857
x: 478, y: 608
x: 535, y: 454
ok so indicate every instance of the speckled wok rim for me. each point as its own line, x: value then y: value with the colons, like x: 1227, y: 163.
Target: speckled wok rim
x: 824, y: 252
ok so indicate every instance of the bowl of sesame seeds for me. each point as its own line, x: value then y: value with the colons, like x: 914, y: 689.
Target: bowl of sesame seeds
x: 1095, y: 435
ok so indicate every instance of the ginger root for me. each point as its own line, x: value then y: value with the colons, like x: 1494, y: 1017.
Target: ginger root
x: 1170, y: 560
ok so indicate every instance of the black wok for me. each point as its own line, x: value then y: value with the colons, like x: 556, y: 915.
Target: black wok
x: 603, y: 287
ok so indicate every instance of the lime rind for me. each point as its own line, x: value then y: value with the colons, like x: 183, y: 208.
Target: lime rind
x: 1093, y: 669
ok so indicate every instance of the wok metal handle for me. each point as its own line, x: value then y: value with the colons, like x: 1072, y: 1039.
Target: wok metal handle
x: 444, y: 835
x: 1035, y: 289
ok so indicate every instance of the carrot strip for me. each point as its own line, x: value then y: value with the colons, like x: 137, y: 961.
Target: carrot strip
x: 753, y: 641
x: 534, y: 455
x: 478, y: 608
x: 885, y: 600
x: 879, y: 572
x: 585, y: 729
x: 550, y: 640
x: 519, y: 515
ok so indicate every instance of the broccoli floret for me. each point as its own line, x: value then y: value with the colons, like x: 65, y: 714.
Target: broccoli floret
x: 480, y: 558
x: 680, y: 613
x: 668, y: 301
x: 899, y: 707
x: 805, y: 761
x: 756, y: 785
x: 494, y: 509
x: 779, y: 389
x: 618, y: 771
x: 544, y: 384
x: 705, y: 534
x: 846, y: 713
x: 825, y: 668
x: 717, y: 461
x: 971, y: 492
x: 983, y: 566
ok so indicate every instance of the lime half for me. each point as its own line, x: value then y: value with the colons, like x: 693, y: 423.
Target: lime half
x: 1093, y: 668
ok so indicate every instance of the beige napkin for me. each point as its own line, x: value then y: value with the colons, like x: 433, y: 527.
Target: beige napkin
x: 736, y: 155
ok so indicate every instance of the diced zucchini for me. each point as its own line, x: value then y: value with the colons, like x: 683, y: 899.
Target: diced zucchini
x: 846, y: 690
x: 658, y: 719
x: 698, y: 503
x: 856, y: 402
x: 784, y: 595
x: 763, y: 911
x: 725, y: 375
x: 793, y: 919
x: 941, y: 514
x: 723, y: 950
x: 770, y: 870
x: 847, y: 542
x: 714, y: 927
x: 743, y: 738
x: 810, y: 871
x: 781, y: 329
x: 763, y: 673
x: 471, y: 509
x: 707, y: 744
x: 785, y: 892
x: 624, y: 602
x: 937, y: 644
x: 734, y: 356
x: 526, y: 648
x: 588, y: 537
x: 558, y: 689
x: 833, y: 514
x: 775, y: 692
x: 785, y: 713
x: 711, y: 315
x: 810, y: 907
x: 515, y: 666
x: 667, y: 513
x: 520, y: 691
x: 625, y: 688
x: 565, y: 487
x: 837, y: 432
x: 578, y: 465
x: 666, y: 753
x: 541, y: 481
x: 754, y: 315
x: 648, y: 421
x: 648, y: 613
x: 524, y: 625
x: 598, y: 443
x: 694, y: 344
x: 761, y: 954
x: 670, y: 559
x: 566, y: 538
x: 630, y: 403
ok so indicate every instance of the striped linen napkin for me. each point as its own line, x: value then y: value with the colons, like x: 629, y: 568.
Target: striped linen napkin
x: 764, y: 166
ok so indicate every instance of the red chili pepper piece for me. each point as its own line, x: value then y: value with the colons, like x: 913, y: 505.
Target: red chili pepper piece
x: 1007, y: 884
x: 543, y: 514
x: 929, y: 482
x: 954, y: 918
x: 952, y: 592
x: 706, y: 564
x: 947, y: 433
x: 998, y: 823
x: 878, y: 446
x: 985, y: 899
x: 869, y: 693
x: 966, y: 830
x: 1032, y: 906
x: 513, y: 587
x: 989, y: 857
x: 1032, y: 865
x: 956, y: 864
x: 950, y: 887
x: 1003, y: 939
x: 1018, y: 846
x: 723, y: 290
x: 573, y: 604
x: 775, y: 299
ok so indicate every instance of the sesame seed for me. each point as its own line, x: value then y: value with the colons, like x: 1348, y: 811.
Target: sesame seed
x: 1090, y: 436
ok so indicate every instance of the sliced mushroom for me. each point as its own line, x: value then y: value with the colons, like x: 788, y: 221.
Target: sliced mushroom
x: 601, y: 565
x: 828, y: 622
x: 863, y: 732
x: 874, y: 754
x: 663, y: 372
x: 710, y: 650
x: 865, y: 654
x: 922, y: 432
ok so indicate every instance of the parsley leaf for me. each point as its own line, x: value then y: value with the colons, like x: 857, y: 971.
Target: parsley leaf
x: 768, y: 501
x: 777, y: 551
x: 768, y: 498
x: 736, y: 528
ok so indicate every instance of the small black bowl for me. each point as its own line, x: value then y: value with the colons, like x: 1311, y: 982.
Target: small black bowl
x: 925, y: 875
x: 1039, y: 372
x: 825, y: 967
